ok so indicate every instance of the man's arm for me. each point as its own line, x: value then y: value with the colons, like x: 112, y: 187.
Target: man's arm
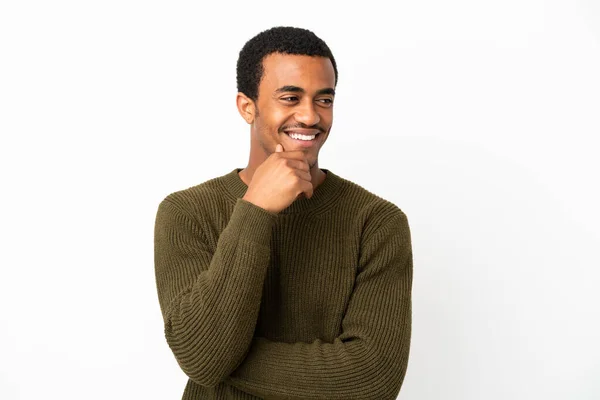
x: 369, y: 359
x: 210, y: 302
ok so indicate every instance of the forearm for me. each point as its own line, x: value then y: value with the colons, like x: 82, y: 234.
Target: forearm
x: 339, y: 370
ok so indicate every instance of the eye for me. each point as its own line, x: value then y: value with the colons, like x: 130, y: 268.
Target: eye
x: 326, y: 102
x: 289, y: 98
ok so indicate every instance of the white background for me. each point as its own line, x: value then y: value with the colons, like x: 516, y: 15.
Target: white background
x: 479, y: 119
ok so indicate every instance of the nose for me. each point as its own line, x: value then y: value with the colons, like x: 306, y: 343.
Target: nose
x: 307, y: 114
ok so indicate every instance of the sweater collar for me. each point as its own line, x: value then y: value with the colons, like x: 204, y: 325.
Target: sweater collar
x: 323, y: 195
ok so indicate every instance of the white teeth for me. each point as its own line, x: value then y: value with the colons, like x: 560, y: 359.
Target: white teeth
x: 301, y: 137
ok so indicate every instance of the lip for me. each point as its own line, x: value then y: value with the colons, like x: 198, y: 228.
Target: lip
x: 301, y: 131
x: 303, y: 143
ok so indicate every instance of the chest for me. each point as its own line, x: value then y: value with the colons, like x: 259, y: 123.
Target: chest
x: 309, y: 280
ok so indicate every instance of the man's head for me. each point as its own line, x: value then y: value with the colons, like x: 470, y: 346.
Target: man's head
x: 285, y: 40
x: 286, y: 79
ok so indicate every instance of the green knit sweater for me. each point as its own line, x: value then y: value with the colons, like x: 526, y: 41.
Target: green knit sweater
x: 311, y: 303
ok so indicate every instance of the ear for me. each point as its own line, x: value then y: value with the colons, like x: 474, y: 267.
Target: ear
x: 246, y: 107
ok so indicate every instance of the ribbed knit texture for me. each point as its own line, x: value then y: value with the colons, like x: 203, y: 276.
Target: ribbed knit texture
x: 311, y: 303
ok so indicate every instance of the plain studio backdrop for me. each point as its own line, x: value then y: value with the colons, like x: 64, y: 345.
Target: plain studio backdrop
x: 479, y: 119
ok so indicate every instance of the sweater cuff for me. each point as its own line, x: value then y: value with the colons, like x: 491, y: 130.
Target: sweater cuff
x: 252, y: 222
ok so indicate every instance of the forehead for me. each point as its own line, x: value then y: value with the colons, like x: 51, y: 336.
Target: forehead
x: 308, y: 72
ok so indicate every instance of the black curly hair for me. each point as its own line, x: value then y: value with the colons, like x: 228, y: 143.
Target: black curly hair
x: 280, y: 39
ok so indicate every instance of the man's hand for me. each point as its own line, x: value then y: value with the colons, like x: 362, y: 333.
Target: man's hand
x: 279, y: 180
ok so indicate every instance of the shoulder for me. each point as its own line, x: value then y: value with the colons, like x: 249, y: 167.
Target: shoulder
x: 367, y: 202
x: 372, y: 210
x: 198, y: 200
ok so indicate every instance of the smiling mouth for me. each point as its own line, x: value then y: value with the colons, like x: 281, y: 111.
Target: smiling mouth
x: 292, y: 132
x: 306, y: 140
x: 301, y: 134
x: 304, y: 143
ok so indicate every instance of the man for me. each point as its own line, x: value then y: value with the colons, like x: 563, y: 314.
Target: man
x: 283, y: 280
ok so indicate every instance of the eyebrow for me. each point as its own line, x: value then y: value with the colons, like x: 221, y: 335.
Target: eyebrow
x: 297, y: 89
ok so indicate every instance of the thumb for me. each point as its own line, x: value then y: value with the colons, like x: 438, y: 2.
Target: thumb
x: 279, y: 148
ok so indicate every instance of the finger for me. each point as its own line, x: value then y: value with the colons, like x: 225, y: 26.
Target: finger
x: 308, y: 190
x: 300, y: 164
x: 304, y: 175
x: 296, y: 155
x: 279, y: 148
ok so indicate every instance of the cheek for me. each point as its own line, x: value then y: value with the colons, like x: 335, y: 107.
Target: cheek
x: 278, y: 118
x: 267, y: 126
x: 280, y: 115
x: 326, y: 122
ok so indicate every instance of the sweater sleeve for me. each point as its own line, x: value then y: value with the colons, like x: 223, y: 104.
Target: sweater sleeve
x: 210, y: 302
x: 368, y: 360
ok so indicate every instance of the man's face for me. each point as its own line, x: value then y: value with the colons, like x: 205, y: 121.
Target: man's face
x: 295, y: 94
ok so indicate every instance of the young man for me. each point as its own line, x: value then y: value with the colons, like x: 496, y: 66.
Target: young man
x: 283, y: 280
